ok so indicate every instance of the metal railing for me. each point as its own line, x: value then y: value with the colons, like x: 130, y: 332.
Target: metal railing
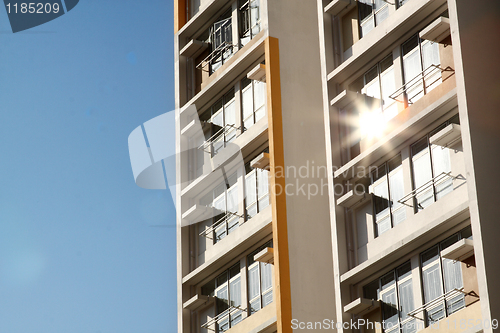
x: 219, y: 51
x: 420, y: 78
x: 424, y: 187
x: 208, y: 232
x: 446, y: 296
x: 221, y: 39
x: 205, y: 146
x: 228, y: 312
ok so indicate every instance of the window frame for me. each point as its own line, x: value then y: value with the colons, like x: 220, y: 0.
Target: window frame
x: 436, y: 194
x: 249, y: 86
x: 420, y: 77
x: 262, y: 294
x: 385, y: 179
x: 399, y: 324
x: 444, y: 304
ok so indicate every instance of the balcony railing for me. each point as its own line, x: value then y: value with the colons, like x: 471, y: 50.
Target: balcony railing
x: 215, y: 54
x: 445, y: 297
x: 428, y: 77
x: 210, y: 325
x: 429, y: 185
x: 225, y: 219
x: 220, y: 134
x: 221, y: 40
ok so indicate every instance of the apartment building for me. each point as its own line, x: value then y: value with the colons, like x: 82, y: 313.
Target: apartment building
x: 335, y: 165
x: 254, y: 249
x: 407, y: 89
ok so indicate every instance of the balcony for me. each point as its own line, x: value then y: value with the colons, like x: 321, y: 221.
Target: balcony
x: 412, y: 17
x: 401, y: 128
x: 226, y: 319
x: 206, y: 12
x: 241, y: 62
x: 416, y: 231
x: 421, y: 84
x: 241, y: 239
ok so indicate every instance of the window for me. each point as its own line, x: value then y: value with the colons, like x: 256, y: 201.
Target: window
x: 371, y: 14
x: 260, y: 282
x: 249, y: 17
x: 221, y: 41
x: 222, y: 119
x: 420, y: 67
x: 227, y: 291
x: 440, y: 276
x: 256, y: 190
x: 378, y: 82
x: 224, y: 198
x: 387, y: 188
x: 253, y: 97
x: 431, y: 170
x: 395, y: 290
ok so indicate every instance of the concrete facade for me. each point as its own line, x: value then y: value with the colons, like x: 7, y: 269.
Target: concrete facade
x: 356, y: 141
x: 366, y: 248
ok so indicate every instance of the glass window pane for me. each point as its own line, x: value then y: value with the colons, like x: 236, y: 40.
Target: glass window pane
x: 412, y: 76
x: 452, y: 274
x: 235, y: 292
x: 247, y: 103
x: 367, y: 26
x: 230, y: 113
x: 410, y: 326
x: 441, y: 164
x: 432, y: 283
x: 220, y: 203
x: 429, y: 256
x: 251, y: 188
x: 263, y: 181
x: 255, y: 305
x: 381, y: 200
x: 397, y: 192
x: 422, y: 175
x: 383, y: 225
x: 382, y: 14
x: 232, y: 199
x: 260, y: 113
x: 232, y: 224
x: 388, y: 86
x: 260, y: 94
x: 390, y: 308
x: 266, y: 276
x: 430, y: 56
x: 253, y: 281
x: 223, y: 324
x: 255, y: 16
x: 217, y: 119
x: 365, y: 9
x: 267, y: 298
x: 406, y: 298
x: 222, y: 299
x: 435, y: 314
x: 236, y: 317
x: 220, y: 232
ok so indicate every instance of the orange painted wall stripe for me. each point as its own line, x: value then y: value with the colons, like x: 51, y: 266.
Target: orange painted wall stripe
x: 180, y: 15
x: 277, y: 181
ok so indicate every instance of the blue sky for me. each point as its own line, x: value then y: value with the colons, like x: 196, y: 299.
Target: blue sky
x: 77, y: 250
